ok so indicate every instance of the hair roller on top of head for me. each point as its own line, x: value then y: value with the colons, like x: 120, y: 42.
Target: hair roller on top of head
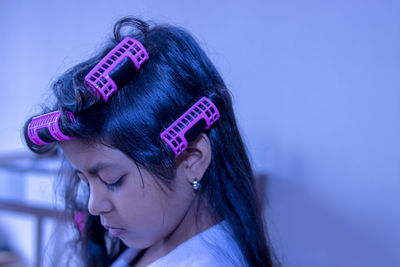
x: 186, y: 129
x: 117, y: 68
x: 48, y: 122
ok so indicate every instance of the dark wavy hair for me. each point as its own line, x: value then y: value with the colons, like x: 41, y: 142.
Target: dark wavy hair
x: 177, y: 75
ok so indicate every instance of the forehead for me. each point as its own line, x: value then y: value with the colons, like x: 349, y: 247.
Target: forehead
x: 89, y: 155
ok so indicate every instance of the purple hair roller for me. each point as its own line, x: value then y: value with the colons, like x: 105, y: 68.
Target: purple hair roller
x: 51, y: 122
x: 117, y: 68
x: 199, y: 117
x: 79, y: 221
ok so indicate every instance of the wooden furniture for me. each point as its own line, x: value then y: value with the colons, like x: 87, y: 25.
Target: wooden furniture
x: 24, y: 163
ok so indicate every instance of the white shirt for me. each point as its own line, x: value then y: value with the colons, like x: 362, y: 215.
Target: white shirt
x: 212, y: 247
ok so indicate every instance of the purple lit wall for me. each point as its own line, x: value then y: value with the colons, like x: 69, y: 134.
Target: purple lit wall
x: 316, y: 88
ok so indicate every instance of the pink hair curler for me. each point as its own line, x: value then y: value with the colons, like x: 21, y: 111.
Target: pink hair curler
x: 117, y: 68
x: 51, y: 122
x: 79, y: 221
x: 199, y: 117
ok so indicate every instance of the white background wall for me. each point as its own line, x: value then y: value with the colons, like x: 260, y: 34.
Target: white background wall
x: 317, y: 96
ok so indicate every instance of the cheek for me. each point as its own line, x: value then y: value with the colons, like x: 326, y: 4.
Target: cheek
x: 140, y: 212
x: 149, y: 213
x: 145, y: 218
x: 140, y: 204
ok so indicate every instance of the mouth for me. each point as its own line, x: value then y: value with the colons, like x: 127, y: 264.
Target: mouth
x: 114, y: 231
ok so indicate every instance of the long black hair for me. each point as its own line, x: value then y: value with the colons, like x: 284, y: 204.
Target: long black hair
x: 177, y: 75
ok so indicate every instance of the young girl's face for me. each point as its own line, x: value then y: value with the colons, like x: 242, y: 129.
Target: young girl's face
x: 132, y: 204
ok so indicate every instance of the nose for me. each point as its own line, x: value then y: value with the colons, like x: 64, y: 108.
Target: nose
x: 98, y: 201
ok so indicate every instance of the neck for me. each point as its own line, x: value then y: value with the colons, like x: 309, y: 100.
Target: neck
x: 196, y: 220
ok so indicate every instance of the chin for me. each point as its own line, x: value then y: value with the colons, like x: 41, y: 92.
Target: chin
x: 134, y: 243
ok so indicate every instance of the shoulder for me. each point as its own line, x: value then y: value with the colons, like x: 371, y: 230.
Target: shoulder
x: 212, y: 247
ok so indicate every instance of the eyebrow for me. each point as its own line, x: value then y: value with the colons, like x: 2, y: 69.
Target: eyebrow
x: 95, y: 169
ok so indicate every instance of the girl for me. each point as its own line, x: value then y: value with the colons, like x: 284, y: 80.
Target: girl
x: 148, y: 127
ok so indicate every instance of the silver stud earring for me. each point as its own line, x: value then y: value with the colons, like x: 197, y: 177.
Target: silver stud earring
x: 196, y: 185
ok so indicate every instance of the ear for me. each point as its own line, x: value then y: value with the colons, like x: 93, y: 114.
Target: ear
x: 196, y: 159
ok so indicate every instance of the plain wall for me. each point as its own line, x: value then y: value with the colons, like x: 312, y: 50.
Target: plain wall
x: 316, y: 89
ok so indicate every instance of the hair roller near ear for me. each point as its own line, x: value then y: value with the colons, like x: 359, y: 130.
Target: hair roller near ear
x: 49, y: 123
x: 188, y: 127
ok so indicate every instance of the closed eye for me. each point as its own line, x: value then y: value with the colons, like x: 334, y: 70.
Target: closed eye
x: 118, y: 183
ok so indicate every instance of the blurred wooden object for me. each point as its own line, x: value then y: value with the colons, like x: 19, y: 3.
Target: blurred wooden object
x: 10, y: 259
x: 28, y: 162
x: 24, y: 163
x: 39, y: 213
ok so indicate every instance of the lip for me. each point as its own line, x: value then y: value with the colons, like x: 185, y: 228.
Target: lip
x: 114, y: 231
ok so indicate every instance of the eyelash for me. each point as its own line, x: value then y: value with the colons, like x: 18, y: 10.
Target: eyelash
x: 116, y: 184
x: 109, y: 186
